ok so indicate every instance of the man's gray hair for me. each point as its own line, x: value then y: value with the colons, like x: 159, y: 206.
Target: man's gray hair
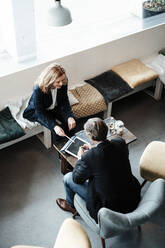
x: 96, y: 129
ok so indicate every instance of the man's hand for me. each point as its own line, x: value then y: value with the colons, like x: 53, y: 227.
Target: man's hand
x: 59, y: 131
x: 80, y: 152
x: 83, y: 149
x: 86, y: 147
x: 71, y: 123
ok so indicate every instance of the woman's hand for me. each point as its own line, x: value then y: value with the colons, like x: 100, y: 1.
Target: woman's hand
x: 59, y: 131
x: 71, y: 123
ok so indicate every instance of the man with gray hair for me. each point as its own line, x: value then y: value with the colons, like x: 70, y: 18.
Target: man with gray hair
x: 102, y: 175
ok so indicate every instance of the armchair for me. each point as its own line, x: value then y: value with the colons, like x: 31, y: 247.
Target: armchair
x: 111, y: 223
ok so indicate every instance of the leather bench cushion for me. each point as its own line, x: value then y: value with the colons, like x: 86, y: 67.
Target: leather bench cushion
x: 90, y: 101
x: 135, y: 73
x: 110, y: 85
x: 152, y: 162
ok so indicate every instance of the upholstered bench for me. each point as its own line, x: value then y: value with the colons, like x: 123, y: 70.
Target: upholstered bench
x: 152, y: 162
x: 125, y: 79
x: 11, y: 131
x: 139, y: 77
x: 42, y: 133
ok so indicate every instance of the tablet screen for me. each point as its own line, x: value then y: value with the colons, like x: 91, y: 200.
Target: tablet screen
x: 74, y: 146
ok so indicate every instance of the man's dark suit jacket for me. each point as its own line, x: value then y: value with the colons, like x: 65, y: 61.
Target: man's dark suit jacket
x: 111, y: 183
x: 40, y: 101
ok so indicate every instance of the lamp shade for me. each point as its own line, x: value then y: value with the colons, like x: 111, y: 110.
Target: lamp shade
x: 59, y: 15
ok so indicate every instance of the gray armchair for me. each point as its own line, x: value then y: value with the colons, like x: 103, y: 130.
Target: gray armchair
x: 111, y: 223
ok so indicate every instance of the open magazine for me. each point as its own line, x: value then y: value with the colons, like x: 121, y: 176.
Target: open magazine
x: 79, y: 139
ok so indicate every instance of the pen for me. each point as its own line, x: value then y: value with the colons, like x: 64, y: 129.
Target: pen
x: 69, y: 138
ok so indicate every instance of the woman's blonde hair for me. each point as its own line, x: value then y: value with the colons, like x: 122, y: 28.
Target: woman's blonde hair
x: 49, y: 75
x: 96, y: 129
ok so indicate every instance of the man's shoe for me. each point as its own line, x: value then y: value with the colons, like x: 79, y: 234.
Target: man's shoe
x: 65, y: 206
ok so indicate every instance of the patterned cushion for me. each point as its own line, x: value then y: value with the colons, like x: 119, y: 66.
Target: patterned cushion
x: 90, y: 101
x: 135, y: 73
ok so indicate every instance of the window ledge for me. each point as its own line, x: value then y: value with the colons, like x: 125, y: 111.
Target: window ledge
x: 81, y: 40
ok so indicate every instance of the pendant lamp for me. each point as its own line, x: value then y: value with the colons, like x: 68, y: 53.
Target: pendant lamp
x: 59, y: 15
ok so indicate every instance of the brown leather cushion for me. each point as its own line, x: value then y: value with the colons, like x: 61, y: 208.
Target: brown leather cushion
x: 135, y: 73
x: 152, y: 162
x: 90, y: 101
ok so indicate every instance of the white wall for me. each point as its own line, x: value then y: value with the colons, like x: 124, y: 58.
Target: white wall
x: 88, y: 63
x: 18, y: 28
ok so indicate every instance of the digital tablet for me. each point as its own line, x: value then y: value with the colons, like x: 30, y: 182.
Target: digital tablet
x: 73, y: 147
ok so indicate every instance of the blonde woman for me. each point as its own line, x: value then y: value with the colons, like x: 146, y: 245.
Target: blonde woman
x: 49, y: 104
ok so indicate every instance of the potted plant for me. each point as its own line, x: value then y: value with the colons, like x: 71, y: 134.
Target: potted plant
x: 153, y: 7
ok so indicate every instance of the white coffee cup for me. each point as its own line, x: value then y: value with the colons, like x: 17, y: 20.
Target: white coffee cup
x: 118, y: 124
x: 120, y: 131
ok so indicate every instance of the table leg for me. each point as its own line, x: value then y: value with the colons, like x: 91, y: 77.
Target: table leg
x: 158, y: 89
x: 65, y: 166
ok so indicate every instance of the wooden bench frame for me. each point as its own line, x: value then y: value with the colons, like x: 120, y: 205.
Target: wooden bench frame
x: 42, y: 133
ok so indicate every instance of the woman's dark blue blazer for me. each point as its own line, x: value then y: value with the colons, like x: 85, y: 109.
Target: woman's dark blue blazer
x: 40, y: 101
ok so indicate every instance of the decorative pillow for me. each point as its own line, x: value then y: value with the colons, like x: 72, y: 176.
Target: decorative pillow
x: 17, y: 107
x: 110, y: 85
x: 72, y: 99
x: 9, y: 128
x: 162, y: 51
x: 134, y: 72
x: 90, y: 100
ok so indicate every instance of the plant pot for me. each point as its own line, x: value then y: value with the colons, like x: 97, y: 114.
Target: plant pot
x: 151, y: 8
